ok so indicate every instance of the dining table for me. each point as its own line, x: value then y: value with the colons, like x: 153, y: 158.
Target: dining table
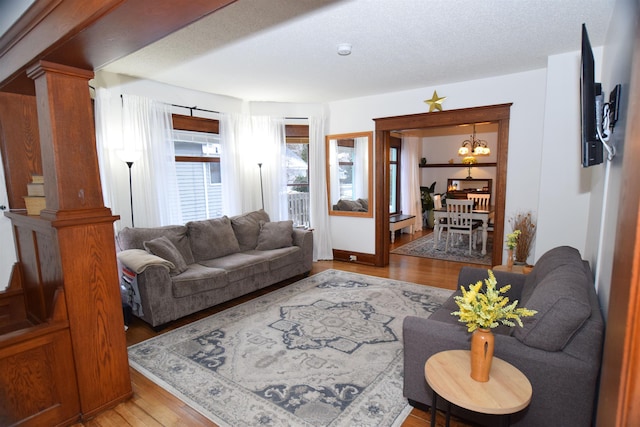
x: 484, y: 215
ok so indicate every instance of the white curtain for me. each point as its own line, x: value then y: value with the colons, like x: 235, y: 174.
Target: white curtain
x: 246, y: 142
x: 237, y: 165
x: 268, y: 136
x: 108, y: 140
x: 410, y: 203
x: 319, y: 214
x: 147, y: 130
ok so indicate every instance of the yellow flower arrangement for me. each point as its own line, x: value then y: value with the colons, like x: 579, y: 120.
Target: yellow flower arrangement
x: 512, y: 239
x: 488, y: 309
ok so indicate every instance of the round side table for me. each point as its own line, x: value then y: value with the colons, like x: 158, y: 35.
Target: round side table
x: 448, y: 373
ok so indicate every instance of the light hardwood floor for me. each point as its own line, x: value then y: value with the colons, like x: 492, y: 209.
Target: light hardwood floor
x: 153, y: 406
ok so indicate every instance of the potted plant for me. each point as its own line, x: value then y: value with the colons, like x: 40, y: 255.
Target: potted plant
x: 427, y: 203
x: 481, y: 309
x: 526, y: 225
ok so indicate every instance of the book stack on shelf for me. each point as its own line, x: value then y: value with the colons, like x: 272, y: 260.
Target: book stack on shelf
x: 35, y: 200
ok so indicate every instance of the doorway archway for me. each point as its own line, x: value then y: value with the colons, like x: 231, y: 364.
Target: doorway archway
x: 384, y: 126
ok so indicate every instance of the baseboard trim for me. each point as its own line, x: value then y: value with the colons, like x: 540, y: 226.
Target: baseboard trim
x: 361, y: 258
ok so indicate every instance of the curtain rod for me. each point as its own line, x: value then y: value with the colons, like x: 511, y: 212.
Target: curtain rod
x: 191, y: 109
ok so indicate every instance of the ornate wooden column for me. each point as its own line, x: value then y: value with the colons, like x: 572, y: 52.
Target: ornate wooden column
x: 84, y: 237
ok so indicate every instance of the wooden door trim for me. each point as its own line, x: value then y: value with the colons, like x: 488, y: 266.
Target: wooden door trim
x: 384, y: 126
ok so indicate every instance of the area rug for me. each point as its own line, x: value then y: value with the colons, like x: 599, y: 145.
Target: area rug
x: 324, y: 351
x: 459, y: 252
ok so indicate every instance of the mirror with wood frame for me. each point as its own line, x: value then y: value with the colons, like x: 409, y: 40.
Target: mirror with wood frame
x: 350, y: 174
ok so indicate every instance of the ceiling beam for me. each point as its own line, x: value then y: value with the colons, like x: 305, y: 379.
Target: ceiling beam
x: 89, y: 34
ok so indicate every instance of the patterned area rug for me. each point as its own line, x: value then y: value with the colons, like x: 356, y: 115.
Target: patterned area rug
x: 459, y: 252
x: 324, y: 351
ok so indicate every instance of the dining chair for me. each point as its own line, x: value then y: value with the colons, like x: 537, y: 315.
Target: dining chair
x: 481, y: 200
x: 460, y: 221
x: 442, y: 222
x: 481, y: 203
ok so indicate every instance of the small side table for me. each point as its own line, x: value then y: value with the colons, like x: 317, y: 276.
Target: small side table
x: 448, y: 373
x: 519, y: 269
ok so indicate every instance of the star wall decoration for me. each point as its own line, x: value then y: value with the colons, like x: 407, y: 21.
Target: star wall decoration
x: 435, y: 103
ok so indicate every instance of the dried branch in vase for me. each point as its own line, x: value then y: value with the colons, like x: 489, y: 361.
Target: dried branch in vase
x: 525, y: 222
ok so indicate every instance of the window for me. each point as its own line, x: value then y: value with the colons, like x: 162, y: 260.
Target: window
x: 297, y: 165
x: 198, y: 173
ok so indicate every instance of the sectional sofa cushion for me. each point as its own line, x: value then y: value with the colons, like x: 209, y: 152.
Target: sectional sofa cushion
x: 212, y: 238
x: 247, y: 228
x: 164, y: 248
x: 562, y: 302
x: 275, y: 235
x: 198, y: 278
x: 548, y: 262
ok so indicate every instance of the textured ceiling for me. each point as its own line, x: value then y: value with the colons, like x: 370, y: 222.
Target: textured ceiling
x: 286, y: 50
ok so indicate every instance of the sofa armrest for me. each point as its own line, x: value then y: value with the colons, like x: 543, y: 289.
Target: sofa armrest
x: 304, y: 239
x: 156, y: 295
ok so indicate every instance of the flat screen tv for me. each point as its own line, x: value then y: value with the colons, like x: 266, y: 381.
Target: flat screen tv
x: 590, y: 92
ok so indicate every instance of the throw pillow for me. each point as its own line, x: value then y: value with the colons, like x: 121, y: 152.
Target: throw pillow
x: 562, y: 304
x: 212, y: 238
x: 247, y: 228
x: 163, y: 248
x: 275, y: 235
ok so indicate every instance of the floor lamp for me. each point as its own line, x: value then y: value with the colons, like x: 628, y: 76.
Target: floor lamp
x: 129, y: 164
x: 261, y: 189
x: 129, y: 157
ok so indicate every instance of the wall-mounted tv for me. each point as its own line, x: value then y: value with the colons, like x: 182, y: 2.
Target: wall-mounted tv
x: 591, y: 105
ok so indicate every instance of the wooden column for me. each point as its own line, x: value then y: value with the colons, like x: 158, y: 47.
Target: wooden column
x: 85, y: 238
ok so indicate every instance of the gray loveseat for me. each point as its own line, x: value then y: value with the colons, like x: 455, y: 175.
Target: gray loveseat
x: 559, y: 349
x: 173, y: 271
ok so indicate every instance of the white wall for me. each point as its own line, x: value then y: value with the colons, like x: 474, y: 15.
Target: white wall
x: 565, y: 186
x: 525, y: 90
x: 607, y: 186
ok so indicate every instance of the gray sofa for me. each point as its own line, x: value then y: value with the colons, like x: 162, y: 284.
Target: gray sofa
x: 173, y: 271
x: 558, y: 349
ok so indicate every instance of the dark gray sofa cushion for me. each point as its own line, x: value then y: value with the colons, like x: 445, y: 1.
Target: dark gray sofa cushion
x: 134, y: 238
x: 275, y: 235
x: 247, y: 228
x: 562, y: 302
x: 212, y: 238
x: 551, y: 260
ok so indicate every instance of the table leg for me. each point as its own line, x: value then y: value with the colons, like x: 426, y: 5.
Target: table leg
x: 433, y: 409
x: 447, y: 416
x: 485, y: 235
x: 436, y: 230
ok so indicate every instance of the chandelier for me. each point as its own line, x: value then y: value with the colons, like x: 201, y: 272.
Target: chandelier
x: 472, y: 148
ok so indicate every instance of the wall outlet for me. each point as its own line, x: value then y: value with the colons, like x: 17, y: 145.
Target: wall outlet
x: 353, y: 258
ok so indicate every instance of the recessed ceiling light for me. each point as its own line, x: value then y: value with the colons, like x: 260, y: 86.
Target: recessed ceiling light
x: 344, y: 49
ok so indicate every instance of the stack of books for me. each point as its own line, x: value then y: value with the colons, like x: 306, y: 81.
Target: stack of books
x: 35, y: 200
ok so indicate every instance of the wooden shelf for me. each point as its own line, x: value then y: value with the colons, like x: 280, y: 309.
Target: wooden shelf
x: 457, y: 165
